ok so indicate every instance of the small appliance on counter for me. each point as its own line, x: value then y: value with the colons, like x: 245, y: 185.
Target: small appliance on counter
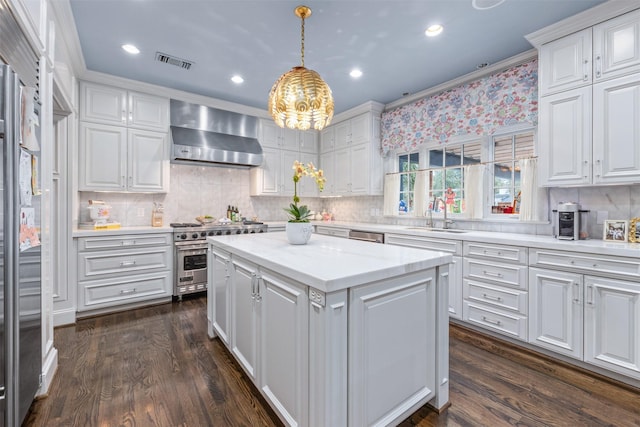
x: 570, y: 222
x: 99, y: 212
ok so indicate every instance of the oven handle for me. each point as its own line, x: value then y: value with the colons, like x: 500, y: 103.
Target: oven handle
x: 190, y: 247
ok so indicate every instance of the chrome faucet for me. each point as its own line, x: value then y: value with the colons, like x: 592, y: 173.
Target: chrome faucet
x: 446, y: 222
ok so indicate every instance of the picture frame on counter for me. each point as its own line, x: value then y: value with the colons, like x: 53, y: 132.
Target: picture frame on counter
x: 634, y: 230
x: 615, y: 230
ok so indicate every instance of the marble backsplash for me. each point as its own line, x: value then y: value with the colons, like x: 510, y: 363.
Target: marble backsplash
x: 204, y: 190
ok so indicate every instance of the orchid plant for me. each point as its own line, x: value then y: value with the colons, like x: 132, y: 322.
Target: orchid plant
x: 302, y: 213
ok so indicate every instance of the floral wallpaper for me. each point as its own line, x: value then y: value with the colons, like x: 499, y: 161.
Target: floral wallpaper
x: 480, y: 107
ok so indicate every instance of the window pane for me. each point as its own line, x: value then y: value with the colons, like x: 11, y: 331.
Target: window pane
x: 414, y: 159
x: 453, y: 156
x: 436, y: 179
x: 453, y: 178
x: 471, y: 152
x: 501, y: 175
x: 524, y: 145
x: 403, y: 161
x: 435, y: 158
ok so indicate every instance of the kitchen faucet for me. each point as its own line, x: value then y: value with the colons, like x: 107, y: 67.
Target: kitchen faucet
x: 446, y: 222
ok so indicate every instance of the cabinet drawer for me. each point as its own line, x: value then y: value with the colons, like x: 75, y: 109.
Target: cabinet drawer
x: 514, y: 276
x: 495, y: 252
x: 120, y: 241
x: 512, y: 325
x: 508, y: 299
x: 330, y: 231
x: 451, y: 246
x: 627, y: 267
x: 125, y: 290
x: 92, y: 265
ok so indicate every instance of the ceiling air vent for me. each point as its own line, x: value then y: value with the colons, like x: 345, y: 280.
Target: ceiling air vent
x: 168, y: 59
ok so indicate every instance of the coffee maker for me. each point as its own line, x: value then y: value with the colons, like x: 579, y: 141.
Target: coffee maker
x: 569, y: 223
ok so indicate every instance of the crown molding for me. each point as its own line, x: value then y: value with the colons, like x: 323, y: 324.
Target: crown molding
x: 67, y: 33
x: 582, y: 20
x: 475, y: 75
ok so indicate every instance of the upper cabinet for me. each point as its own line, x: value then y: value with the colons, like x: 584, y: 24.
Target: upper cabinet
x: 607, y: 50
x: 272, y: 135
x: 590, y: 104
x: 123, y: 140
x: 114, y: 106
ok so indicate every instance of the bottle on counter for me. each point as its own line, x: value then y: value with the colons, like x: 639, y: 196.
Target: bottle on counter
x: 228, y: 211
x: 157, y: 214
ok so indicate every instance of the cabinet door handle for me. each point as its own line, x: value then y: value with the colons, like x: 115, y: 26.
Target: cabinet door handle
x: 128, y: 291
x: 491, y: 297
x: 494, y: 322
x: 576, y: 293
x: 590, y: 295
x: 253, y: 286
x: 585, y: 69
x: 127, y: 263
x: 491, y: 273
x: 258, y: 296
x: 598, y: 66
x: 124, y: 116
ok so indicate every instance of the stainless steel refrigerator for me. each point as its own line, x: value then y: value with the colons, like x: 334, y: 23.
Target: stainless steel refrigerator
x: 20, y: 260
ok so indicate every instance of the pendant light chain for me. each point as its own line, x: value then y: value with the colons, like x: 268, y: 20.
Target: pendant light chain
x: 302, y: 44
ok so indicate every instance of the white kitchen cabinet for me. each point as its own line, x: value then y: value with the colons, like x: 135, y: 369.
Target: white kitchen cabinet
x: 357, y: 171
x: 244, y: 317
x: 118, y: 270
x: 453, y: 247
x: 219, y: 283
x: 556, y: 307
x: 115, y: 106
x: 284, y: 346
x: 589, y: 104
x: 616, y: 134
x: 612, y: 325
x: 616, y: 47
x: 564, y: 138
x: 307, y: 186
x: 495, y: 288
x: 269, y: 337
x: 113, y: 158
x: 327, y: 139
x: 328, y: 166
x: 274, y: 177
x: 356, y: 130
x: 272, y: 135
x: 332, y: 231
x: 566, y: 63
x: 584, y: 315
x: 607, y: 50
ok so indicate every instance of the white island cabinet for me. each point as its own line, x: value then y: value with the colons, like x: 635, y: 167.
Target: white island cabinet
x: 336, y: 332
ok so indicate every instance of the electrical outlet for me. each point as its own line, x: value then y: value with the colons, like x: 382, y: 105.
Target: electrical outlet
x: 140, y: 212
x: 601, y: 217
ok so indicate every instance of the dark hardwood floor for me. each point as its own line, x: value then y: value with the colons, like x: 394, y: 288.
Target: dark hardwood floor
x: 156, y: 367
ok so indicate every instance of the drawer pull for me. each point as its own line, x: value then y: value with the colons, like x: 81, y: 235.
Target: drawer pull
x: 493, y: 322
x: 491, y: 297
x: 572, y: 262
x: 486, y: 252
x: 128, y: 243
x: 127, y: 263
x: 128, y: 291
x: 491, y: 273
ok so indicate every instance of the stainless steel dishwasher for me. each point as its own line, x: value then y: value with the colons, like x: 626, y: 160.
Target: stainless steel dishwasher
x: 366, y: 236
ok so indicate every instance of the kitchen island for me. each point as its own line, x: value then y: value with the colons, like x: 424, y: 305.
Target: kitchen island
x: 335, y: 332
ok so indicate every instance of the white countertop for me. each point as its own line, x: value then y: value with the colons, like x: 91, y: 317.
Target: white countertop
x: 122, y: 230
x: 328, y: 263
x: 592, y: 246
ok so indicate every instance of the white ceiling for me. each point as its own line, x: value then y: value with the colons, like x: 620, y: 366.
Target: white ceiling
x: 260, y: 40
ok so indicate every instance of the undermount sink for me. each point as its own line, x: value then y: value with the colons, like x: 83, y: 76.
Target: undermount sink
x: 441, y: 230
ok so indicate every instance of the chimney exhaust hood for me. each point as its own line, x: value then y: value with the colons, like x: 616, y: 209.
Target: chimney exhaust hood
x: 212, y: 137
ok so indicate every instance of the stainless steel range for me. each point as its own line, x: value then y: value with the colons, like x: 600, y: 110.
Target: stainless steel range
x: 190, y: 244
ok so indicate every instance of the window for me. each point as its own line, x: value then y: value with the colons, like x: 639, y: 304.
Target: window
x: 507, y: 150
x: 446, y: 174
x: 407, y: 166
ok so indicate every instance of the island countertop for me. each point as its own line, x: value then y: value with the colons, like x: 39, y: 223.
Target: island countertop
x: 328, y: 263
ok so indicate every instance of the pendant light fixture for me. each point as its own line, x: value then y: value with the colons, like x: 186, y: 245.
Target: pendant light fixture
x: 300, y: 99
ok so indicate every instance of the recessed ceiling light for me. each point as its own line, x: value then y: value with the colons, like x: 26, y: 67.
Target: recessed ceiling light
x: 434, y: 30
x: 129, y: 48
x: 355, y: 73
x: 237, y: 79
x: 486, y: 4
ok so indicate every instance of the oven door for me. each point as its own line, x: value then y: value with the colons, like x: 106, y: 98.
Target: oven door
x: 191, y: 269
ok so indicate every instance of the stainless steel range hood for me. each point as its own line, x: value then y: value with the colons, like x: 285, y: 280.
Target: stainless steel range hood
x: 208, y: 136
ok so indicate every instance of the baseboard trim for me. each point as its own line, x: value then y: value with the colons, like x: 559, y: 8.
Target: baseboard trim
x: 49, y: 368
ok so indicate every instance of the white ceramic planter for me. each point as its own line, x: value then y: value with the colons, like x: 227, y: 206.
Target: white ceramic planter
x: 299, y: 233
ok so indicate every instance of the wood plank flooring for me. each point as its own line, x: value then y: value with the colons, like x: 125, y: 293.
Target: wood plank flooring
x: 156, y: 367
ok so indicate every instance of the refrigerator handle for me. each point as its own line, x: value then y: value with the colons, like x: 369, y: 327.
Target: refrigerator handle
x: 2, y: 393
